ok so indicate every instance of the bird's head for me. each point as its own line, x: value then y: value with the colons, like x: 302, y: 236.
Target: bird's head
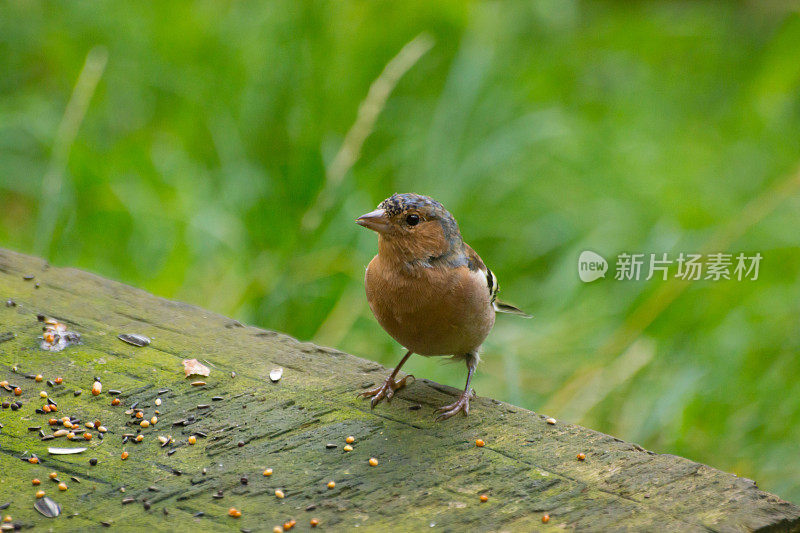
x: 413, y: 227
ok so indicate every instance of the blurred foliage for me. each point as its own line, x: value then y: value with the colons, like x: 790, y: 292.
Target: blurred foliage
x: 545, y: 127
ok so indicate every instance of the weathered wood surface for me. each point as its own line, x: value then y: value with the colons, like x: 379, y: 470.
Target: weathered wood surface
x: 430, y: 475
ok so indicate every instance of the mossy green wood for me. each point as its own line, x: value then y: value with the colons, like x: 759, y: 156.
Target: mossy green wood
x: 430, y: 475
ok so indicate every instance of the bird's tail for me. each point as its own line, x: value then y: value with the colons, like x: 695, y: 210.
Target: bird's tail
x: 502, y: 307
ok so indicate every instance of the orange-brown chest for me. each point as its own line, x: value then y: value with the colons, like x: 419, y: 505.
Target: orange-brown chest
x: 430, y: 311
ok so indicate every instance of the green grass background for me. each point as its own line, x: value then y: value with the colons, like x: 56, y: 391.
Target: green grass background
x: 546, y: 128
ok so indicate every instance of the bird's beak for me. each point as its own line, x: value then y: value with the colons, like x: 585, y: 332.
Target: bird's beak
x: 374, y: 220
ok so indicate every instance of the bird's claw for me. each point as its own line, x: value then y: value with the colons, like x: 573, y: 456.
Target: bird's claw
x: 386, y: 390
x: 459, y: 406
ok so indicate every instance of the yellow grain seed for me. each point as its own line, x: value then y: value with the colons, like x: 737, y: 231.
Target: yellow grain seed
x: 347, y: 448
x: 350, y: 440
x: 268, y: 472
x: 331, y: 484
x: 279, y: 494
x: 373, y: 461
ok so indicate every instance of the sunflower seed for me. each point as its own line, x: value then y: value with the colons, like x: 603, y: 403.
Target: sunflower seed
x: 47, y: 507
x: 134, y: 338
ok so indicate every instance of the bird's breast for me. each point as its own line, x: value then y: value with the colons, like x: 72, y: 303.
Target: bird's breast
x: 431, y: 311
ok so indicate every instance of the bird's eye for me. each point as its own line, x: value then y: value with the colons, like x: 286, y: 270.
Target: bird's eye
x: 412, y: 220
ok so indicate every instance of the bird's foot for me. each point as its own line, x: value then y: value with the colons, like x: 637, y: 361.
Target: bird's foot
x: 386, y: 390
x: 459, y: 406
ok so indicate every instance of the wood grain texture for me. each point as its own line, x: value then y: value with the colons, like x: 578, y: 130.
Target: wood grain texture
x: 430, y: 475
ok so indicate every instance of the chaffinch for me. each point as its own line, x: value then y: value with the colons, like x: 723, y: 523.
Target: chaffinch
x: 428, y: 289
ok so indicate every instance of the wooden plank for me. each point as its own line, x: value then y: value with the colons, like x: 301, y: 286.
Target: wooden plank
x: 430, y: 475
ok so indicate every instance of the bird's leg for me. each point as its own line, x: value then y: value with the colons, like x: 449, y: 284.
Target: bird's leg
x: 462, y: 404
x: 388, y: 388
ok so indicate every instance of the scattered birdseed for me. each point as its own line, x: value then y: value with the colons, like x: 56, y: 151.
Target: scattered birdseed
x: 331, y: 445
x: 350, y: 440
x: 545, y: 518
x: 139, y: 438
x: 35, y: 481
x: 347, y: 448
x: 373, y: 461
x: 33, y: 460
x: 62, y: 486
x: 277, y: 529
x: 77, y: 392
x: 268, y: 472
x: 154, y: 420
x: 52, y: 475
x: 236, y: 513
x: 198, y: 383
x: 124, y: 455
x: 331, y: 484
x: 275, y: 374
x: 479, y: 443
x: 115, y: 401
x: 240, y: 443
x: 97, y: 388
x: 40, y: 494
x: 93, y: 461
x: 581, y: 456
x: 128, y: 500
x: 551, y: 421
x: 279, y: 494
x: 59, y: 380
x: 314, y: 522
x: 158, y: 401
x: 192, y: 439
x: 144, y: 424
x: 484, y: 498
x: 38, y: 377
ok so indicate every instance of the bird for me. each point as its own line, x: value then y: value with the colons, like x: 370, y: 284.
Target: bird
x: 428, y: 289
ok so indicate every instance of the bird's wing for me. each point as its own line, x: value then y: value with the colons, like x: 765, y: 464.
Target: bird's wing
x: 475, y: 262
